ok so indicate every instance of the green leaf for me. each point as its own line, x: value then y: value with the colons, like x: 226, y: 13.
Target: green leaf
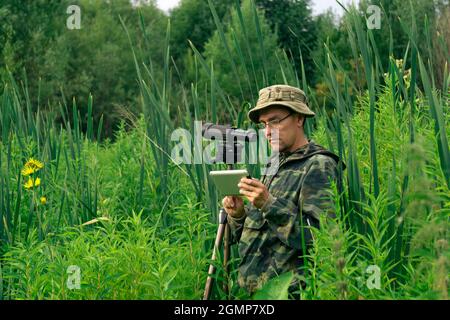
x: 276, y: 288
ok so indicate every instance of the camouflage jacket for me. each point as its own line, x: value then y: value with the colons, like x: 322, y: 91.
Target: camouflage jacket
x: 270, y: 238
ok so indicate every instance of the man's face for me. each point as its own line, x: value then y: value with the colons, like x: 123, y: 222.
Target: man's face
x: 281, y: 122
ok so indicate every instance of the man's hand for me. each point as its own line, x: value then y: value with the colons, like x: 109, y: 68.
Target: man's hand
x: 255, y: 191
x: 234, y: 206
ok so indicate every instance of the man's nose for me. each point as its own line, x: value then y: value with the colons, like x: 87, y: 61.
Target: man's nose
x: 267, y: 131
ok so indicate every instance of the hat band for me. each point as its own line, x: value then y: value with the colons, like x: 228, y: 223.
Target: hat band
x: 286, y: 96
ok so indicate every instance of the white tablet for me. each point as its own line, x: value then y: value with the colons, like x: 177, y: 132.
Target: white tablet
x: 226, y: 181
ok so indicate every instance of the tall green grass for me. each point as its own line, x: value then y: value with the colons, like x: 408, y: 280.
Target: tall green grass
x: 376, y: 180
x: 140, y: 251
x: 141, y: 227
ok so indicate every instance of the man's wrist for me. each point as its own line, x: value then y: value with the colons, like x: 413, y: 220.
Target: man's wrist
x: 238, y: 218
x: 270, y: 200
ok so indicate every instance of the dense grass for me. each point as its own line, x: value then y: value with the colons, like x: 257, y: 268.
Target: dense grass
x: 140, y: 227
x: 122, y: 253
x: 162, y: 250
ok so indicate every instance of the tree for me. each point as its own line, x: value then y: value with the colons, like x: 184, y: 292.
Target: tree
x: 192, y: 20
x: 26, y: 31
x: 398, y: 15
x: 255, y: 61
x: 97, y: 59
x: 293, y: 22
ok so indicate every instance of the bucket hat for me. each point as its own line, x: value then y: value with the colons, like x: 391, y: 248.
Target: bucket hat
x: 284, y: 95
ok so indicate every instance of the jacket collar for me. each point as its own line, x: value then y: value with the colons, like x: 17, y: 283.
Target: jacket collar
x: 301, y: 152
x: 306, y: 151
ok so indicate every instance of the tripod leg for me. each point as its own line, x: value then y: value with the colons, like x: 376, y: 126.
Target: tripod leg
x: 217, y: 243
x: 226, y: 258
x: 226, y: 244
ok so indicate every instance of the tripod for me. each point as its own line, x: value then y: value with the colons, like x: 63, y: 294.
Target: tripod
x: 223, y: 234
x: 229, y: 152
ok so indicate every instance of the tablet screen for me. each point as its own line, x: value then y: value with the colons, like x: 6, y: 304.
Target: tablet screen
x: 226, y: 181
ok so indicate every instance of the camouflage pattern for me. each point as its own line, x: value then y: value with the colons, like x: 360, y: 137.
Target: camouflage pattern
x: 270, y: 239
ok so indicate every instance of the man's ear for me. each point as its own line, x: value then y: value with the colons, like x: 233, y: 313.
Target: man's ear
x: 301, y: 119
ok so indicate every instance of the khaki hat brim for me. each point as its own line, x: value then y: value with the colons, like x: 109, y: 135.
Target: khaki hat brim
x: 298, y: 107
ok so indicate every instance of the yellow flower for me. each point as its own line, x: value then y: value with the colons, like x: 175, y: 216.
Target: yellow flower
x: 26, y: 171
x: 29, y: 168
x: 43, y: 200
x: 30, y: 183
x: 35, y: 164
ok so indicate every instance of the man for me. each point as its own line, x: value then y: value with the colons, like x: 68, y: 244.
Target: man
x: 269, y: 229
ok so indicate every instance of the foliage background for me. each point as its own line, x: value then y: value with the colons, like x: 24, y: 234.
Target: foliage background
x: 97, y: 107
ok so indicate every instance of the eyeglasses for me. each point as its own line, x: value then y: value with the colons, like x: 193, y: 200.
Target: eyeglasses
x: 273, y: 124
